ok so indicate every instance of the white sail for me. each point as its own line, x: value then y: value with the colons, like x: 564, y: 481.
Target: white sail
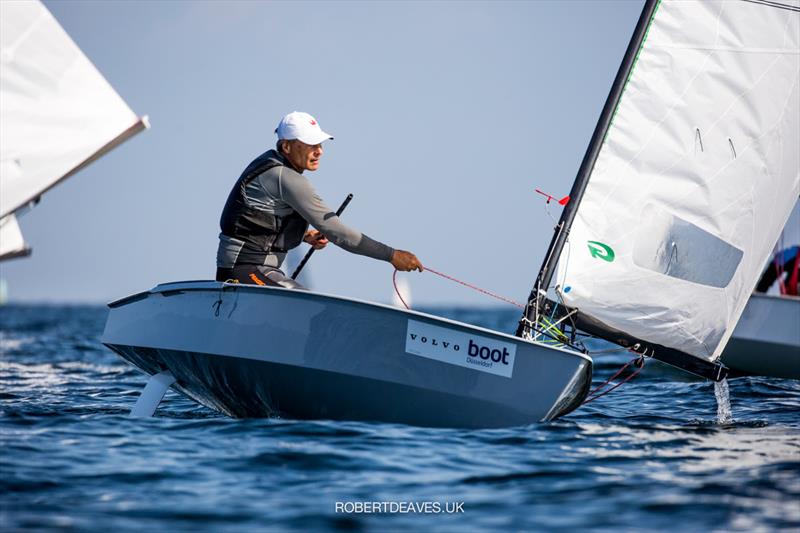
x: 11, y: 242
x: 696, y: 177
x: 58, y: 112
x: 293, y: 259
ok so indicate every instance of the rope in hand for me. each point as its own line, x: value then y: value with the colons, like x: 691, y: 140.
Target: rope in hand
x: 464, y: 283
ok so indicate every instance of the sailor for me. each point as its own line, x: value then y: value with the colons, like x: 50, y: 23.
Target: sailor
x: 785, y: 269
x: 269, y: 210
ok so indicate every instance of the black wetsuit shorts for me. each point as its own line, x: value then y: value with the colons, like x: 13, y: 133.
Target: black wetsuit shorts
x: 257, y: 275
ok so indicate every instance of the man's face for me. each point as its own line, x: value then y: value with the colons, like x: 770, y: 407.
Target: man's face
x: 303, y: 156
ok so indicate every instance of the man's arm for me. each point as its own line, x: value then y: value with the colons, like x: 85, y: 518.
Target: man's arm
x: 298, y: 193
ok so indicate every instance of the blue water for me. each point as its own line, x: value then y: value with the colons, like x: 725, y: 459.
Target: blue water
x: 649, y: 456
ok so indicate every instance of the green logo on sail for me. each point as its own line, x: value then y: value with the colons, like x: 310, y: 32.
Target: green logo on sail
x: 601, y: 251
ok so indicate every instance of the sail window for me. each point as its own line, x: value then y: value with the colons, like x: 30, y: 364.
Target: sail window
x: 669, y: 245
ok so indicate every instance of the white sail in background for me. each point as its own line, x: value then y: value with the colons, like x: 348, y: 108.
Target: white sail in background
x: 293, y: 259
x: 696, y: 177
x: 11, y: 242
x: 403, y: 299
x: 58, y: 112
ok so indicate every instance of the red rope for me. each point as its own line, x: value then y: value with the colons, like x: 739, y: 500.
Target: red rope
x: 639, y: 361
x: 394, y: 282
x: 473, y: 287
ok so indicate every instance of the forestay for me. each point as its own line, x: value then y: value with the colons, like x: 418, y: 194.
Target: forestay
x: 696, y: 176
x: 58, y: 111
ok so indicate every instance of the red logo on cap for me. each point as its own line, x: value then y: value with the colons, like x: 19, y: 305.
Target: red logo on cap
x: 313, y: 122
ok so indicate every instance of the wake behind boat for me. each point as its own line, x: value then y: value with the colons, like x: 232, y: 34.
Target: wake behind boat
x: 251, y: 351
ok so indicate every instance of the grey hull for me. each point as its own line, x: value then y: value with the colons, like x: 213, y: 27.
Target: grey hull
x: 766, y: 341
x: 251, y: 351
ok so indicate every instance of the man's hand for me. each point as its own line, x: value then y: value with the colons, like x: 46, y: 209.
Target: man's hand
x: 316, y: 239
x: 406, y: 261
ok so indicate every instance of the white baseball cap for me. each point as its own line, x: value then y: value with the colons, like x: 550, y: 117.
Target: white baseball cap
x: 301, y: 126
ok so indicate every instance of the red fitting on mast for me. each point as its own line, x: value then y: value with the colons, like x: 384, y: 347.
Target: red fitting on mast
x: 563, y: 201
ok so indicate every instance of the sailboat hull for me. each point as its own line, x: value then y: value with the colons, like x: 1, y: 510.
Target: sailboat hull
x: 766, y: 341
x: 251, y: 351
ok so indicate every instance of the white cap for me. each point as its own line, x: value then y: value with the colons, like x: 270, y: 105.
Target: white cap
x: 301, y: 126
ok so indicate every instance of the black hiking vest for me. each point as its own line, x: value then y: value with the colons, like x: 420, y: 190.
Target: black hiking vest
x: 263, y: 233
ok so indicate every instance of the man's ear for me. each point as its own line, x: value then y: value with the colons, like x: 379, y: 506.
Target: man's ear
x: 286, y: 147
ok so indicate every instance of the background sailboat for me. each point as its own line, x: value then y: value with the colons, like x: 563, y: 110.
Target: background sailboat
x: 58, y: 113
x: 766, y: 341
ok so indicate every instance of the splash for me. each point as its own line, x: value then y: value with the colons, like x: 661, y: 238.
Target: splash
x: 722, y: 393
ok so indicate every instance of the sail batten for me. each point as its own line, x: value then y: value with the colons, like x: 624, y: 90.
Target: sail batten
x: 695, y: 178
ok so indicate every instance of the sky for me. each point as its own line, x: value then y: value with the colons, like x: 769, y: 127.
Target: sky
x: 446, y: 117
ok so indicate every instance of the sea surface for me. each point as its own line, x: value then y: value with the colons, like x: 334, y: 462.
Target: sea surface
x: 652, y: 455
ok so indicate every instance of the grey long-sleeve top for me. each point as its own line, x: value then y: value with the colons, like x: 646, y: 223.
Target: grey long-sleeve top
x: 281, y: 190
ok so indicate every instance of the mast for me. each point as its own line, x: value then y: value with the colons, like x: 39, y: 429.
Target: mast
x: 537, y: 297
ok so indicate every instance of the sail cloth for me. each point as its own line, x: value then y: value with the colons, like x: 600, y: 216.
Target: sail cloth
x: 11, y: 242
x: 696, y: 176
x: 58, y: 112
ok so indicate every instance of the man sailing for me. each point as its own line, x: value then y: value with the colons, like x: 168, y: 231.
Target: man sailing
x: 270, y: 207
